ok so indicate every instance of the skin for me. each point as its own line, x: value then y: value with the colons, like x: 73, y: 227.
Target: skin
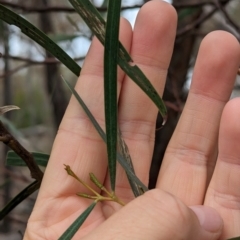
x: 201, y: 165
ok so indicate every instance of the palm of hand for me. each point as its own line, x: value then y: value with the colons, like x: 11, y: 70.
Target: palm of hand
x: 196, y: 168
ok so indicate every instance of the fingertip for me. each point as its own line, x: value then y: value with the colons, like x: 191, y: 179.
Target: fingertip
x: 155, y: 31
x: 230, y: 124
x: 125, y: 33
x: 195, y: 222
x: 232, y: 106
x: 161, y: 14
x: 152, y: 8
x: 216, y: 66
x: 223, y: 47
x: 208, y: 218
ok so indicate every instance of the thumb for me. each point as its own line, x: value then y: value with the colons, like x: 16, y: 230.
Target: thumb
x: 209, y: 219
x: 158, y: 215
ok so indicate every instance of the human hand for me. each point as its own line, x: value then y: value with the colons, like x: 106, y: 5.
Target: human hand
x: 201, y: 163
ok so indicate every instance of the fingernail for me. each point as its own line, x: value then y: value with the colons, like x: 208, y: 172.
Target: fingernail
x: 208, y: 218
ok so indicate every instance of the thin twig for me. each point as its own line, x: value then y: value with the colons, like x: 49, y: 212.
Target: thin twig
x: 27, y: 157
x: 189, y: 4
x: 218, y: 5
x: 50, y: 60
x: 30, y: 62
x: 28, y: 9
x: 32, y: 9
x: 226, y: 15
x: 200, y: 20
x: 197, y: 22
x: 197, y: 3
x: 15, y: 70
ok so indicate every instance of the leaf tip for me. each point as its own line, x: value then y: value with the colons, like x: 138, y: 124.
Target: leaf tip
x: 8, y: 108
x: 164, y: 120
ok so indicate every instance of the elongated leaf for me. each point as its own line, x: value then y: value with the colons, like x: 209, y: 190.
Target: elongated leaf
x: 62, y: 37
x: 19, y: 198
x: 123, y: 149
x: 86, y: 110
x: 70, y: 232
x: 8, y: 108
x: 14, y: 160
x: 110, y: 85
x: 236, y: 238
x: 135, y: 73
x: 120, y: 158
x: 97, y: 24
x: 104, y: 4
x: 38, y: 36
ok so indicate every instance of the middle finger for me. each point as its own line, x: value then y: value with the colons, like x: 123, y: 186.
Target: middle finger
x: 151, y: 50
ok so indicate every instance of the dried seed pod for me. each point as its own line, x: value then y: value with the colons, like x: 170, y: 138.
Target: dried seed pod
x: 95, y: 180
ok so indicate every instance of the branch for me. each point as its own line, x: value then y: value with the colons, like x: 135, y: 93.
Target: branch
x: 197, y: 22
x: 11, y: 142
x: 30, y: 62
x: 198, y: 3
x: 204, y: 17
x: 226, y: 15
x: 15, y: 70
x: 28, y: 9
x: 190, y: 4
x: 50, y: 60
x: 218, y: 5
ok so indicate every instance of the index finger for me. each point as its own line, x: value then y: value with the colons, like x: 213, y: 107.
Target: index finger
x: 77, y: 143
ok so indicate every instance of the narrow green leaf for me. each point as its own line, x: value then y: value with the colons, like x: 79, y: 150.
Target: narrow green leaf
x: 97, y: 24
x: 86, y: 110
x: 131, y: 175
x: 38, y: 36
x: 120, y: 158
x: 110, y: 85
x: 94, y: 179
x: 14, y: 160
x: 19, y: 198
x: 123, y: 149
x: 104, y: 4
x: 135, y: 73
x: 70, y: 232
x: 236, y: 238
x: 62, y: 37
